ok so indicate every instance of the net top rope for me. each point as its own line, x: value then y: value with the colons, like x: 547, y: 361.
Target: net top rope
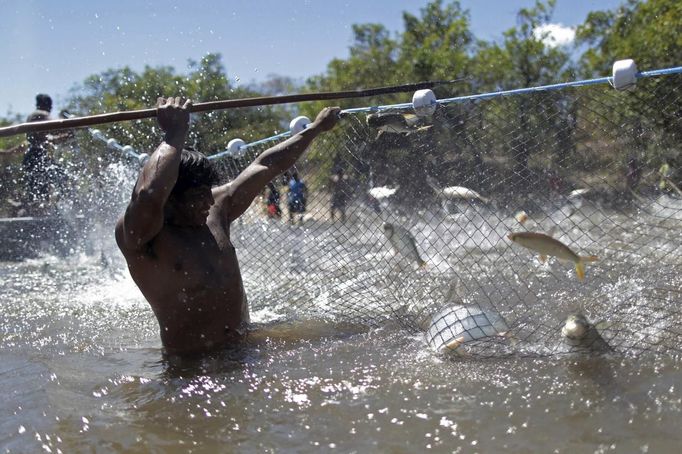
x: 624, y: 77
x: 79, y: 122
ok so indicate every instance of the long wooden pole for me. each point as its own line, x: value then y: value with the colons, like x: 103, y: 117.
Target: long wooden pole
x: 80, y: 122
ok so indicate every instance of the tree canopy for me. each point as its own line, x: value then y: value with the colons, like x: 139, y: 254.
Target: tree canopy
x: 435, y: 44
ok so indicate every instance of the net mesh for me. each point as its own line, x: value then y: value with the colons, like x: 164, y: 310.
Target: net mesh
x: 406, y: 220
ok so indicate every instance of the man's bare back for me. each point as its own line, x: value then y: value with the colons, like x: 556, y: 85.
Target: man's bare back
x: 177, y: 243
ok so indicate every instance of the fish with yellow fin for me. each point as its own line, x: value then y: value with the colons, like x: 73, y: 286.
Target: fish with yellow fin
x: 551, y: 247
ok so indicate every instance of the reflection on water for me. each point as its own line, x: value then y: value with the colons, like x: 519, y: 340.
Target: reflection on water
x: 326, y: 367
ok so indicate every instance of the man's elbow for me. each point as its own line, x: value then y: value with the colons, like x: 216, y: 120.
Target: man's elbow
x: 130, y: 241
x: 134, y: 230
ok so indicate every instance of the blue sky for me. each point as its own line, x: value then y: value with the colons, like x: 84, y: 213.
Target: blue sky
x: 48, y: 46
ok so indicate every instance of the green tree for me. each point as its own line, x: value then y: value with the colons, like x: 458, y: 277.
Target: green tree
x: 524, y: 59
x: 437, y: 45
x: 124, y: 89
x: 372, y: 63
x: 11, y: 141
x: 647, y: 32
x: 211, y: 131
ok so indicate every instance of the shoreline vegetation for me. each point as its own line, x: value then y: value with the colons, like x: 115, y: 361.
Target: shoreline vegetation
x: 535, y: 139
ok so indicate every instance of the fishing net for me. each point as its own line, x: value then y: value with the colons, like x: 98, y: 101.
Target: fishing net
x: 407, y: 221
x: 592, y: 167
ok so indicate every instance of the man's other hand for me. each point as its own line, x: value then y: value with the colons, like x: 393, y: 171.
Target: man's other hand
x: 173, y: 118
x: 327, y: 118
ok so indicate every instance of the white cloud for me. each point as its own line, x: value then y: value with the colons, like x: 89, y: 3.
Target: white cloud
x: 554, y: 35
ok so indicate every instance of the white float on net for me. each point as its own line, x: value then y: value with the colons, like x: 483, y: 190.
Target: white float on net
x: 624, y: 74
x: 142, y: 158
x: 236, y: 148
x: 113, y: 144
x: 298, y: 124
x: 424, y: 102
x: 97, y: 134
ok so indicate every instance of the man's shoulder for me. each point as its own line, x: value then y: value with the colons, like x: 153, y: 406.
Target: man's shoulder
x: 38, y: 115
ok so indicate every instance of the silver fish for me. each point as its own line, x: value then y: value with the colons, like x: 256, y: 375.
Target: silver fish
x: 577, y: 193
x: 462, y: 193
x: 455, y: 193
x: 403, y: 242
x: 395, y: 123
x: 581, y: 335
x: 382, y: 192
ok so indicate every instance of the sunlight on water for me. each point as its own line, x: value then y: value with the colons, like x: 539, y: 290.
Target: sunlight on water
x: 82, y: 364
x: 336, y: 358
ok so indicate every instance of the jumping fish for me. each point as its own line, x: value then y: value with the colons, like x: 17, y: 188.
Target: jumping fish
x: 395, y: 123
x: 382, y: 192
x: 548, y: 246
x: 579, y: 333
x: 403, y: 242
x: 462, y: 193
x: 454, y: 193
x: 576, y: 193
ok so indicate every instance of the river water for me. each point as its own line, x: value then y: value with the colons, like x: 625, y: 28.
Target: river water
x: 337, y: 361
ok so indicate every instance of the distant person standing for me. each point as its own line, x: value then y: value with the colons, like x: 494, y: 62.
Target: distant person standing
x: 633, y: 173
x: 272, y: 201
x: 297, y: 197
x: 340, y: 192
x: 42, y: 174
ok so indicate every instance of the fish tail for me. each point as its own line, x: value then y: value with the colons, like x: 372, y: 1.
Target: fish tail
x: 421, y: 262
x: 580, y: 265
x: 580, y: 270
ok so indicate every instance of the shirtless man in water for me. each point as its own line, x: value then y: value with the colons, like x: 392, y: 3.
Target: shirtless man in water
x: 175, y: 233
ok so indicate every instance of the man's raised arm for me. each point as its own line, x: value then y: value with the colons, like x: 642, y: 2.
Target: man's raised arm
x: 144, y: 216
x: 235, y: 197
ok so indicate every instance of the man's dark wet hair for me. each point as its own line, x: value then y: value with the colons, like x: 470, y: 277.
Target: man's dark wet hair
x: 43, y: 102
x: 195, y: 170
